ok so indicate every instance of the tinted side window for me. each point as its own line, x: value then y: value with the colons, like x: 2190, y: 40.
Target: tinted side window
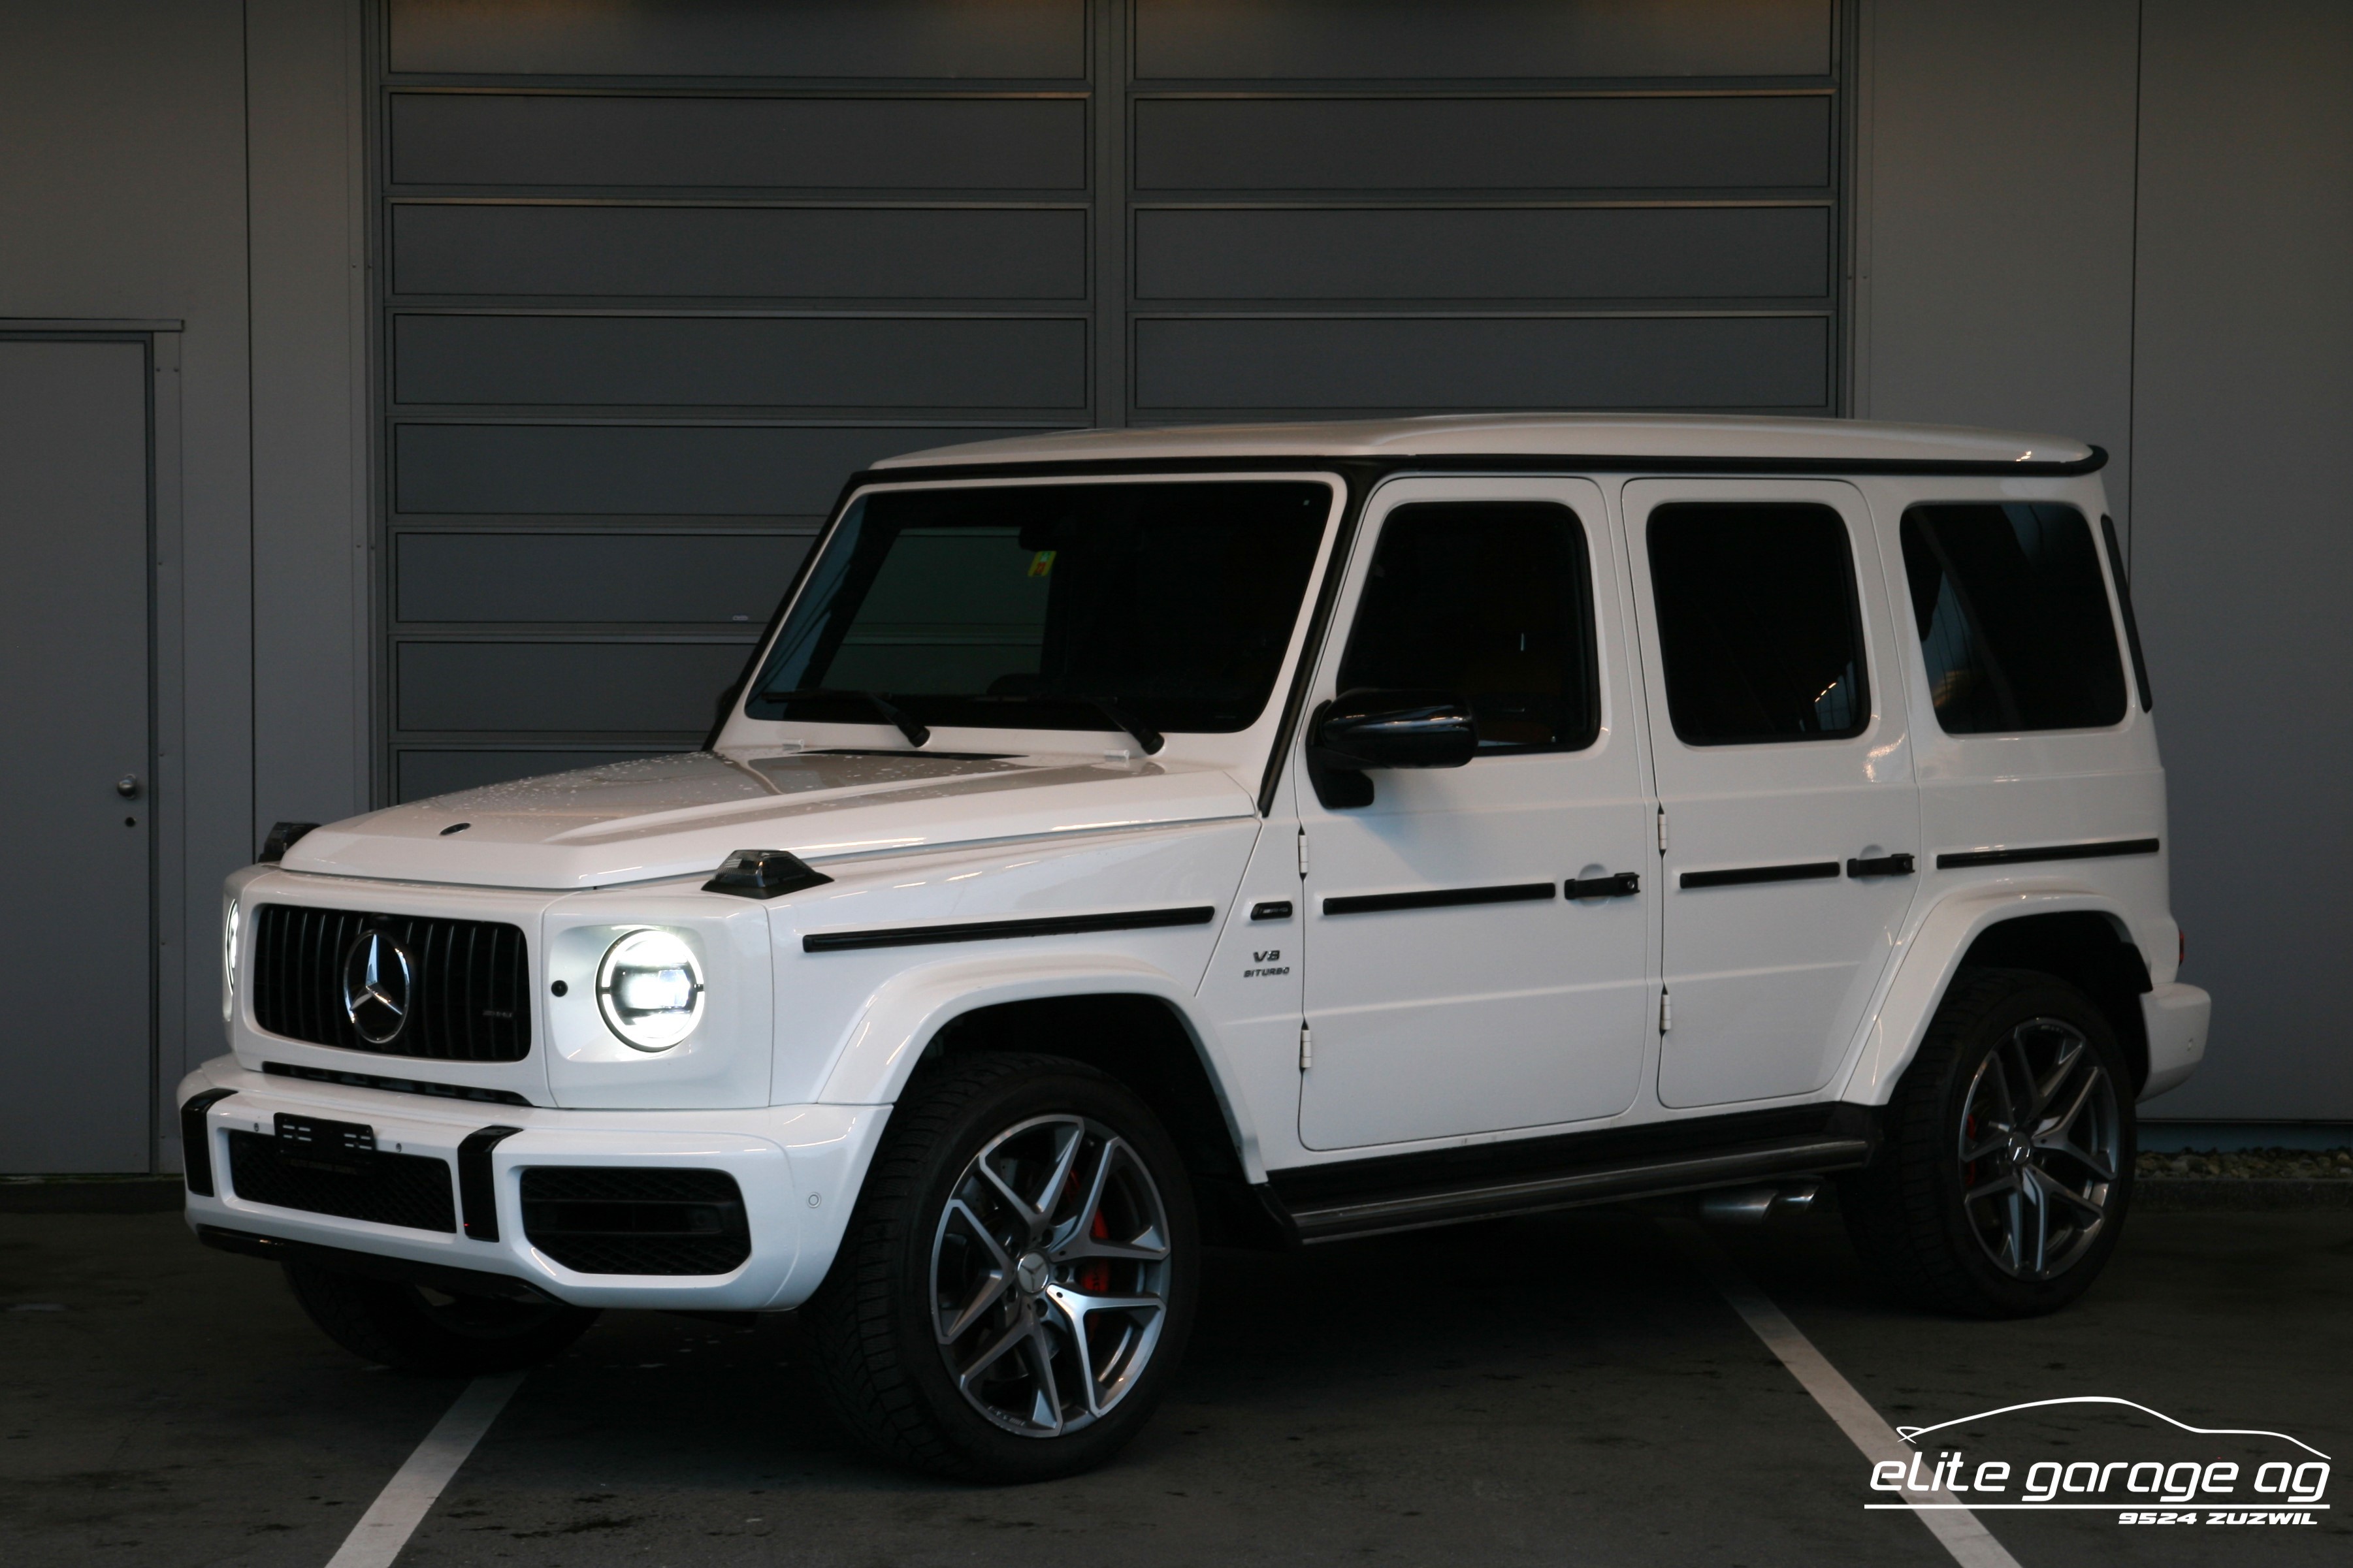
x: 1490, y: 601
x: 1757, y: 623
x: 2013, y: 617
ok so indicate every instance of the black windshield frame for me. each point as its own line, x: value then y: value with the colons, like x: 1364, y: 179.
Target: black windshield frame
x: 1179, y: 614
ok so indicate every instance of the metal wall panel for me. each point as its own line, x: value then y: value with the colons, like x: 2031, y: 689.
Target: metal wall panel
x: 657, y: 279
x: 749, y: 253
x: 705, y: 143
x: 1481, y: 38
x: 600, y: 470
x: 675, y: 578
x: 705, y: 362
x: 729, y: 38
x: 1453, y: 253
x: 1210, y: 367
x: 1521, y: 143
x: 645, y: 688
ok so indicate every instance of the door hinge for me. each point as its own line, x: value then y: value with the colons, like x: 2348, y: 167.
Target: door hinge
x: 1306, y: 1046
x: 1662, y: 830
x: 1666, y: 1012
x: 1303, y: 852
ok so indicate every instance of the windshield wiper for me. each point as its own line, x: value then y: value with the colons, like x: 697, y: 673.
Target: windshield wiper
x: 1143, y: 734
x: 916, y: 733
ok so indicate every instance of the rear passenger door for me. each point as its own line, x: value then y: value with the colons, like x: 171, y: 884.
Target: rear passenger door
x: 1790, y: 815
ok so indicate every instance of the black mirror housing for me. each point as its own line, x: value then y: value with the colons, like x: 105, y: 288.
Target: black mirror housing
x: 1375, y: 729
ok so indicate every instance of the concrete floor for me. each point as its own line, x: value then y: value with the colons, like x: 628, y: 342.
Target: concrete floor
x: 1557, y: 1390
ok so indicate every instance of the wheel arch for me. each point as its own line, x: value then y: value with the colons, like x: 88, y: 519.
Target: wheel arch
x: 2072, y: 935
x: 1124, y: 1018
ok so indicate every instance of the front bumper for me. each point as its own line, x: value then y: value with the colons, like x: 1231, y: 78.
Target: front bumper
x: 797, y: 1167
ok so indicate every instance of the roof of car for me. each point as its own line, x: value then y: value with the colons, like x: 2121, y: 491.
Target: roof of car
x: 1664, y: 438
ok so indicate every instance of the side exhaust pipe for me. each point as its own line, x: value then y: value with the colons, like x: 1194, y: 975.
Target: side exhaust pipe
x: 1750, y: 1205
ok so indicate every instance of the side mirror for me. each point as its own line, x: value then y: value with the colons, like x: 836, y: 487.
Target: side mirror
x: 1368, y: 729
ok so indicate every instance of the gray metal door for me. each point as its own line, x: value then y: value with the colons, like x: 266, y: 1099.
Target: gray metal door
x: 76, y: 824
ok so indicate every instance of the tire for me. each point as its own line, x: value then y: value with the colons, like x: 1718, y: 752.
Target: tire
x: 2005, y: 1169
x: 411, y: 1328
x: 1010, y: 1192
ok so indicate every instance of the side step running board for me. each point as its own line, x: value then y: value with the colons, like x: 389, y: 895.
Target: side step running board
x: 1333, y: 1220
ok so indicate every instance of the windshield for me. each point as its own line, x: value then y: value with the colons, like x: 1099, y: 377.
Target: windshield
x: 1035, y: 606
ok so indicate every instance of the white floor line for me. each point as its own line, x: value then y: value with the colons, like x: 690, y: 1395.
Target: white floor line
x: 401, y: 1507
x: 1959, y: 1531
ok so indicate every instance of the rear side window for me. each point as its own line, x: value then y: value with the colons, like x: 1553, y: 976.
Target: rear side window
x: 2013, y: 617
x: 1490, y: 601
x: 1757, y: 624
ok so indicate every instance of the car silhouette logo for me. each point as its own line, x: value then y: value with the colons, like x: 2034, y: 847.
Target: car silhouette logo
x: 379, y: 977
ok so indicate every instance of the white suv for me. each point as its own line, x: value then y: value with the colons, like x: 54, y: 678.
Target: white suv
x: 1124, y: 842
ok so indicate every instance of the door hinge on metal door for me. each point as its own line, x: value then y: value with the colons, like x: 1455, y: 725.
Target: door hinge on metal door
x: 1303, y: 852
x: 1666, y: 1012
x: 1662, y: 830
x: 1306, y: 1047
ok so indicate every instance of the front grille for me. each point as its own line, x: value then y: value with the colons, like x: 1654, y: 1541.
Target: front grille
x: 621, y: 1219
x: 411, y: 1190
x: 469, y: 986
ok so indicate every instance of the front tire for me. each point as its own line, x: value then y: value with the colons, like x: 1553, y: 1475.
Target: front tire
x: 2007, y: 1169
x: 1018, y: 1280
x: 413, y: 1328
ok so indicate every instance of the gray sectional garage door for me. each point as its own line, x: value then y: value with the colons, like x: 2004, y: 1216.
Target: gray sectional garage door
x: 655, y: 279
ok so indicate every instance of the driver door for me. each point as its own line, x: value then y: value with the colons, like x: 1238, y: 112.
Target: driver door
x: 1452, y: 987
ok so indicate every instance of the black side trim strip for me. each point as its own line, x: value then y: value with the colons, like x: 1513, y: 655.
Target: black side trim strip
x: 373, y: 1265
x: 478, y: 1197
x: 2106, y: 851
x: 989, y: 931
x: 396, y: 1085
x: 1740, y: 875
x: 1438, y: 898
x: 195, y: 1146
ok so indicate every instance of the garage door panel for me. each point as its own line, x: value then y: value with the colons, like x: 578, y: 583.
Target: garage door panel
x: 1409, y: 39
x: 1775, y: 363
x: 727, y: 37
x: 541, y: 140
x: 574, y: 688
x: 1486, y: 144
x: 1466, y: 254
x: 705, y: 362
x: 811, y: 253
x: 603, y: 471
x: 624, y: 578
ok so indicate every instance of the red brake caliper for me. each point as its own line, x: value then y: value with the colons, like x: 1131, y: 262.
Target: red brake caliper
x: 1094, y: 1273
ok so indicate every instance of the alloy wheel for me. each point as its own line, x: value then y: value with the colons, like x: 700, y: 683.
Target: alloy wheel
x: 2040, y: 1145
x: 1049, y: 1275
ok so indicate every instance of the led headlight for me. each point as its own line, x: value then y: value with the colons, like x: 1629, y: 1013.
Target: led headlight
x: 650, y: 989
x: 228, y: 964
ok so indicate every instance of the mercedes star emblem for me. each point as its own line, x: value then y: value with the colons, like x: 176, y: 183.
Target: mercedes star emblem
x: 377, y: 978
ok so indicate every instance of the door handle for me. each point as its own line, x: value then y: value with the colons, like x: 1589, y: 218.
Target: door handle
x: 1880, y: 866
x: 1624, y: 885
x: 127, y: 786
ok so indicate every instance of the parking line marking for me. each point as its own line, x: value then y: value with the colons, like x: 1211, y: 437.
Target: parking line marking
x: 406, y: 1499
x: 1948, y: 1518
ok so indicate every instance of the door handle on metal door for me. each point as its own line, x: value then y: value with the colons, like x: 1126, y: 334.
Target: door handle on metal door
x: 127, y: 786
x: 1880, y: 866
x: 1624, y: 885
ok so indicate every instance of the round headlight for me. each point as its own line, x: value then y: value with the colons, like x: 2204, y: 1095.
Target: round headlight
x: 650, y: 990
x: 228, y: 964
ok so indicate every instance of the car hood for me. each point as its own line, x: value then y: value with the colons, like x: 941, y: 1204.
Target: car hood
x: 680, y: 815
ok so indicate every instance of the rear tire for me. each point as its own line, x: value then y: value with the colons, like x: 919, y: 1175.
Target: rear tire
x: 412, y: 1329
x: 2007, y: 1167
x: 1018, y: 1280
